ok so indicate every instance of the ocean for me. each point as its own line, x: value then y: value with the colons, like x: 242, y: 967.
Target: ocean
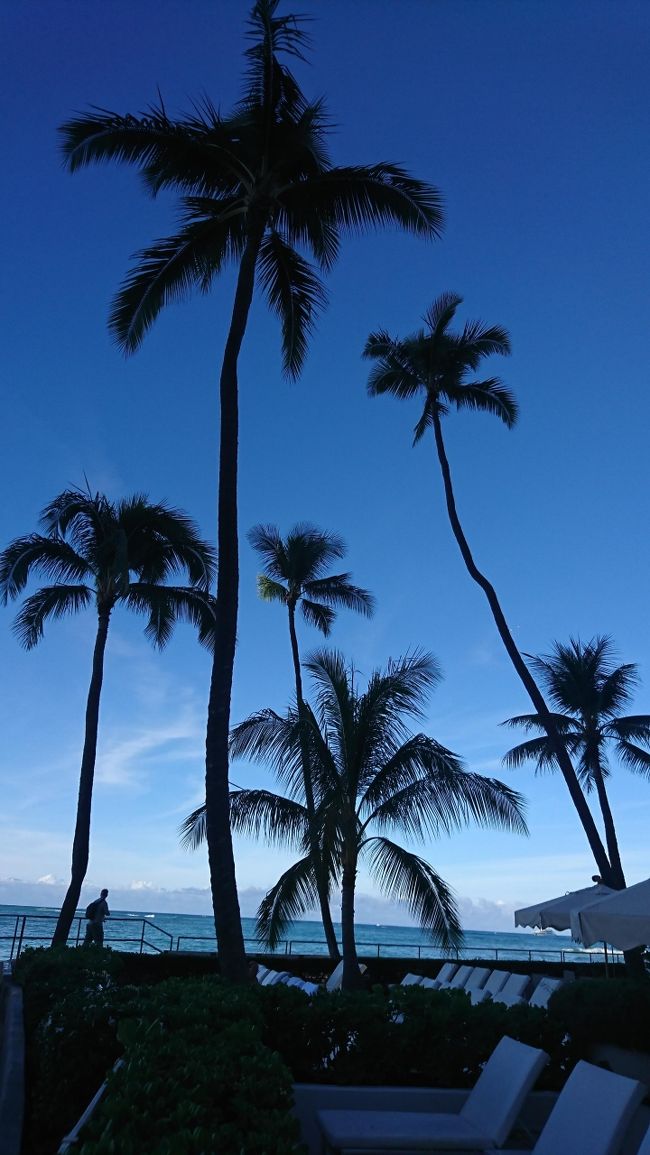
x: 153, y: 932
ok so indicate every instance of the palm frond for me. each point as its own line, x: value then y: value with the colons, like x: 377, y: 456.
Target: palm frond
x: 540, y: 751
x: 170, y: 269
x: 274, y: 740
x: 358, y: 196
x: 448, y: 798
x: 394, y: 371
x: 338, y: 590
x: 50, y: 556
x: 294, y: 893
x: 193, y: 830
x: 440, y: 314
x: 416, y: 760
x: 49, y: 602
x: 403, y: 877
x: 321, y: 617
x: 563, y: 723
x: 262, y: 814
x: 489, y: 396
x: 167, y: 605
x: 295, y: 294
x: 270, y: 591
x: 634, y: 757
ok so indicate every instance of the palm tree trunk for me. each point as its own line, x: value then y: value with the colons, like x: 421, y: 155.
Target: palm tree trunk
x: 352, y: 979
x: 608, y: 824
x: 225, y: 901
x: 634, y: 965
x: 532, y: 689
x: 81, y: 842
x: 321, y: 879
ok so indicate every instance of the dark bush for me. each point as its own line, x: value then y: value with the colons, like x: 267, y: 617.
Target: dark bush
x: 604, y: 1011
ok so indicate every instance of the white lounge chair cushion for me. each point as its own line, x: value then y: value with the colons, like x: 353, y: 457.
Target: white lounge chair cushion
x: 513, y: 990
x: 457, y: 981
x: 543, y: 991
x: 485, y: 1119
x: 477, y: 978
x: 446, y: 972
x: 591, y: 1115
x: 400, y: 1130
x: 494, y: 984
x: 411, y: 980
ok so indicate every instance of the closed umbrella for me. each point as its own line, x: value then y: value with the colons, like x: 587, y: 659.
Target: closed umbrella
x: 622, y: 919
x: 556, y: 912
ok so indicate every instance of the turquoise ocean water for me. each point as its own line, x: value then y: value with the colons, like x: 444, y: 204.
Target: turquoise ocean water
x: 152, y: 931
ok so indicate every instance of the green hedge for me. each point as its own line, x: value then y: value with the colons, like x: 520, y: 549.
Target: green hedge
x: 210, y: 1066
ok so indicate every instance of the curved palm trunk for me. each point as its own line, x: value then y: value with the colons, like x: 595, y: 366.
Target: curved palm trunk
x: 81, y: 842
x: 532, y: 689
x: 352, y: 979
x: 321, y: 879
x: 225, y: 901
x: 608, y: 824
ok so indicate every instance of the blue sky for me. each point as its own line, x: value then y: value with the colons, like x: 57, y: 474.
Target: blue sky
x: 532, y: 120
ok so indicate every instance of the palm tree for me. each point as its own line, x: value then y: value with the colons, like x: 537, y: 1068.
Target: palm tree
x: 371, y: 775
x: 588, y: 691
x: 437, y: 363
x: 256, y: 186
x: 106, y: 553
x: 295, y: 574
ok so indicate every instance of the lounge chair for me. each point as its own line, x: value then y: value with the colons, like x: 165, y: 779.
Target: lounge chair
x: 336, y: 978
x: 543, y: 991
x: 456, y: 981
x: 274, y: 977
x: 485, y: 1119
x: 446, y: 972
x: 411, y: 980
x: 430, y: 984
x: 591, y: 1115
x: 477, y: 979
x: 512, y: 992
x: 494, y: 984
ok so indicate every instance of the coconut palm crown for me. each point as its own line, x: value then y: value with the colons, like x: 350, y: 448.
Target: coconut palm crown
x: 257, y: 189
x: 441, y: 365
x: 588, y: 690
x: 100, y: 553
x: 371, y: 775
x: 296, y: 575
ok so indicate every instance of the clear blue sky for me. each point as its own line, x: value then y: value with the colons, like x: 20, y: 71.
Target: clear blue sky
x: 532, y: 119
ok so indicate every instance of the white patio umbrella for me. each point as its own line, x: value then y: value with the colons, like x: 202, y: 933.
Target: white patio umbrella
x: 622, y: 919
x: 556, y: 912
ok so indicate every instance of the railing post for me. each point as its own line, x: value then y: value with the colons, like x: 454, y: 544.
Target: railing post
x: 142, y: 937
x: 22, y: 932
x: 13, y: 941
x: 78, y: 931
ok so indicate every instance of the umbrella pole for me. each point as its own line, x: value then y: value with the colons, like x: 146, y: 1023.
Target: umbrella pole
x: 606, y: 961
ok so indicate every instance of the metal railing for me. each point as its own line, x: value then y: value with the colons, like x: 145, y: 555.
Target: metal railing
x: 410, y: 950
x: 37, y: 930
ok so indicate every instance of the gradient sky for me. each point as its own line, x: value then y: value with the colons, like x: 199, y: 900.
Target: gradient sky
x: 532, y: 120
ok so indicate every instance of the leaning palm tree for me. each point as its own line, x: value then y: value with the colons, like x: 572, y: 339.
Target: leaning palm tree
x: 588, y: 691
x: 256, y: 187
x: 103, y: 553
x: 295, y: 573
x: 440, y: 365
x: 371, y: 776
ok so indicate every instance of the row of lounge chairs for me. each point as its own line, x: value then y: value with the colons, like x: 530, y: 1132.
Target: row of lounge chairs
x: 480, y: 983
x: 268, y: 978
x: 590, y: 1117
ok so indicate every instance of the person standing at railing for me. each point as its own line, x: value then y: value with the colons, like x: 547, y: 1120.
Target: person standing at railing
x: 96, y: 912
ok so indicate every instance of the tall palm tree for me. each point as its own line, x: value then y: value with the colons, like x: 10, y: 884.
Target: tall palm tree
x: 588, y: 691
x: 295, y: 573
x: 441, y: 365
x: 371, y: 775
x: 103, y: 553
x: 256, y: 187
